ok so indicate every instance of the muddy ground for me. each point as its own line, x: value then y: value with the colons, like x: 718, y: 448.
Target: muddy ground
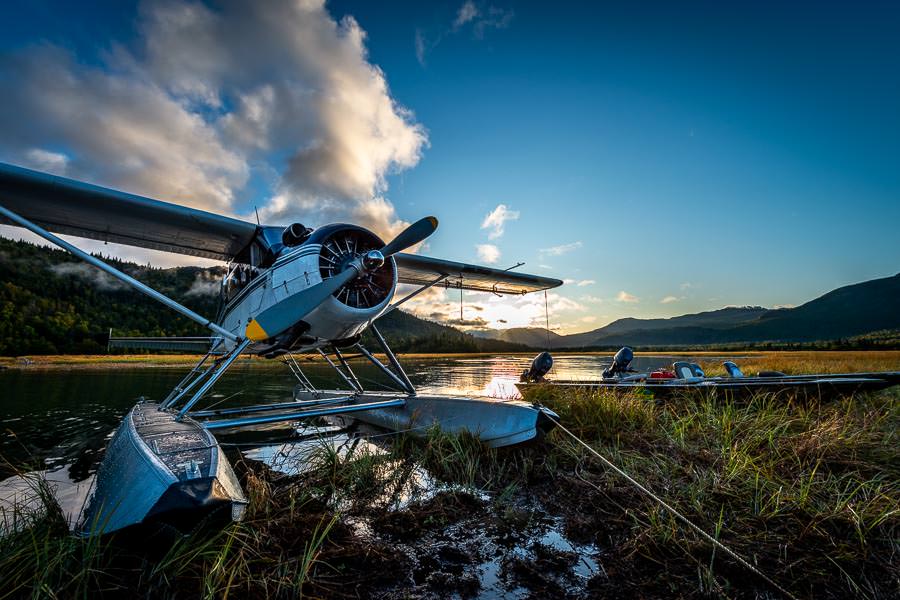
x: 557, y: 537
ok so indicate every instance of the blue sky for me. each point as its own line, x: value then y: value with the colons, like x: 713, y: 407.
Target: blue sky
x: 670, y: 157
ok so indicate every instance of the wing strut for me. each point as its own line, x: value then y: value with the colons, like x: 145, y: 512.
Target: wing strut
x: 145, y: 289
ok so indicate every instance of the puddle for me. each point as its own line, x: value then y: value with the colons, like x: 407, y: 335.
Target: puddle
x: 20, y: 500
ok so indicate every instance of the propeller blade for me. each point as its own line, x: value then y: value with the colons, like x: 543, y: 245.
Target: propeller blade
x: 411, y: 236
x: 286, y: 313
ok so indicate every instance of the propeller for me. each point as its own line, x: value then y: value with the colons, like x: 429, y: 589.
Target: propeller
x: 284, y: 314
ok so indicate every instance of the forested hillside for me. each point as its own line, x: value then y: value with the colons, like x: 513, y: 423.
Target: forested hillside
x: 51, y: 303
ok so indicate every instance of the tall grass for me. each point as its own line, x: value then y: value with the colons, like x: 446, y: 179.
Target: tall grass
x: 809, y: 492
x: 274, y: 553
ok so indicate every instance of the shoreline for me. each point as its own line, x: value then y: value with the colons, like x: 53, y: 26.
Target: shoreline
x: 150, y: 361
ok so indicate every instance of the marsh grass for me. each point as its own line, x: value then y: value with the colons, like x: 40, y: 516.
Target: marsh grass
x: 808, y: 492
x: 273, y: 553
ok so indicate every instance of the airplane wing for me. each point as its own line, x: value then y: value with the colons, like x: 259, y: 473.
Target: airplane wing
x: 72, y: 207
x: 422, y: 270
x: 67, y: 206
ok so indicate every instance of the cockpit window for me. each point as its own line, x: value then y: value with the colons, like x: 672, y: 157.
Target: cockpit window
x: 238, y: 277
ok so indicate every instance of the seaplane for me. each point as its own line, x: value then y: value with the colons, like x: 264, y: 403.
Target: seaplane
x: 288, y: 290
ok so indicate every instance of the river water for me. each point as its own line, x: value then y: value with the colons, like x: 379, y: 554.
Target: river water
x: 57, y: 422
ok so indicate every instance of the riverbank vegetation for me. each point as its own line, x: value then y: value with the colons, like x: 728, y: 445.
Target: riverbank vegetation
x: 793, y: 362
x: 808, y: 492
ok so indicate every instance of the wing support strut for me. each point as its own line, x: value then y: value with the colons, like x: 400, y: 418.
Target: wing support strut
x: 413, y: 294
x: 131, y: 281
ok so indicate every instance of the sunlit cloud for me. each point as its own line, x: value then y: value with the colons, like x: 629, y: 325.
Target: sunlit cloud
x: 498, y: 312
x: 561, y: 249
x: 624, y: 296
x: 669, y: 300
x: 496, y: 220
x: 184, y: 113
x: 588, y: 319
x: 488, y: 253
x: 591, y: 299
x: 779, y: 306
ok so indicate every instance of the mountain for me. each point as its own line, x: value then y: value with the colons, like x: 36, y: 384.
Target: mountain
x: 52, y: 303
x: 533, y: 337
x: 851, y: 311
x: 847, y: 311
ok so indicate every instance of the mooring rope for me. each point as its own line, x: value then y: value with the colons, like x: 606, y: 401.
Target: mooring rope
x: 742, y: 561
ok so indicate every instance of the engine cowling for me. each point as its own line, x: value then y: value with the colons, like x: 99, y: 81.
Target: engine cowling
x: 346, y: 313
x: 295, y: 234
x: 339, y: 248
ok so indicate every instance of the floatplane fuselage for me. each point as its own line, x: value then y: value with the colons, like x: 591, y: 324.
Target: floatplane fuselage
x: 286, y: 290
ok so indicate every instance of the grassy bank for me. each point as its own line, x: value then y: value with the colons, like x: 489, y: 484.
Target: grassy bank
x: 792, y: 361
x: 808, y: 492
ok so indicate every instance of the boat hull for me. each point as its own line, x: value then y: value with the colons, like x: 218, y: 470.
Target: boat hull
x: 158, y: 469
x: 808, y: 386
x: 495, y: 422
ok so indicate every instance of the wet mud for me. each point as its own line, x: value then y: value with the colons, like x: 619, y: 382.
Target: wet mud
x: 443, y: 541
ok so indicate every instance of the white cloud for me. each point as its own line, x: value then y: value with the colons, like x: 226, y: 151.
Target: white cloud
x: 99, y: 279
x: 778, y: 306
x: 561, y: 249
x: 591, y: 299
x: 467, y: 12
x: 686, y: 285
x: 44, y: 160
x: 624, y: 296
x: 494, y: 18
x: 488, y: 253
x: 469, y: 17
x: 206, y: 98
x: 669, y: 300
x: 496, y: 220
x: 421, y: 47
x: 205, y: 283
x: 579, y: 283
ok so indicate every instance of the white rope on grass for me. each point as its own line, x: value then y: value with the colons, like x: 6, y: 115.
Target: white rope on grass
x: 741, y: 560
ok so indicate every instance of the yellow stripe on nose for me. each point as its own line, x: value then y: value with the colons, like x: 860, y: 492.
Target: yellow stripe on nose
x: 255, y: 332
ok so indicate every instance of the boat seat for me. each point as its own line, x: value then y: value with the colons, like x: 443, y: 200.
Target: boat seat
x: 683, y: 370
x: 732, y: 369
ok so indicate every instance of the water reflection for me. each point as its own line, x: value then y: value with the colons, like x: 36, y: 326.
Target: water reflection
x: 58, y: 422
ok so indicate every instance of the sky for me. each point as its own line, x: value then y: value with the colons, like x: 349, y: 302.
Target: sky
x: 661, y: 158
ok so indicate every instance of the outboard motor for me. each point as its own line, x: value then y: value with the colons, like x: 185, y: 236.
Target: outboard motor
x: 540, y: 366
x: 732, y: 369
x: 620, y: 363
